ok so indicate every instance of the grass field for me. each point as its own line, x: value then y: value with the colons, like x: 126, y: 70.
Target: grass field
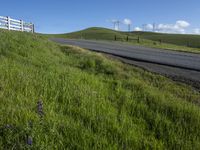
x: 187, y: 43
x: 176, y: 39
x: 89, y: 101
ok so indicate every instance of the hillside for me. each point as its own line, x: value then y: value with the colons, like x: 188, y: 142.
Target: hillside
x: 62, y: 97
x: 93, y: 33
x: 178, y: 42
x: 177, y: 39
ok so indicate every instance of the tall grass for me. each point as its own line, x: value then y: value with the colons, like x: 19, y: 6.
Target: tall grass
x: 89, y: 101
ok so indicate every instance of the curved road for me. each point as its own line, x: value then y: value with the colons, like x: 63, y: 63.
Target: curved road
x: 179, y: 65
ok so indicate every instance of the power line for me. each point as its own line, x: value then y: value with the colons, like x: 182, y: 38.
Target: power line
x: 116, y: 24
x: 144, y: 27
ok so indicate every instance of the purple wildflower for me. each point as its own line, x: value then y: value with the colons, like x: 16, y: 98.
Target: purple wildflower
x: 29, y: 140
x: 40, y: 108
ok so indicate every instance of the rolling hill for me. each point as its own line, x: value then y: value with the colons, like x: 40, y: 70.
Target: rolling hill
x: 180, y: 42
x: 177, y: 39
x: 93, y: 33
x: 63, y: 97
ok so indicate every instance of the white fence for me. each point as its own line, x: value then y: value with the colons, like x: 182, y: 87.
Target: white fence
x: 17, y: 25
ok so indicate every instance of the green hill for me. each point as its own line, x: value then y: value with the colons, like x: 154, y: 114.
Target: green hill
x: 61, y: 97
x: 177, y: 39
x: 178, y: 42
x: 94, y: 33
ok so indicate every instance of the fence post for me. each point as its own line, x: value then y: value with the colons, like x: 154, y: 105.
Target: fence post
x: 160, y: 41
x: 138, y: 40
x: 8, y: 20
x: 22, y: 25
x: 33, y: 28
x: 127, y: 38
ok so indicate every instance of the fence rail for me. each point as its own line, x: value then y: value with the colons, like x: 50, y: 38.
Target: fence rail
x: 17, y: 25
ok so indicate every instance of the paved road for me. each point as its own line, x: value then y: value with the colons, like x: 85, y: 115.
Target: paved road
x: 171, y: 63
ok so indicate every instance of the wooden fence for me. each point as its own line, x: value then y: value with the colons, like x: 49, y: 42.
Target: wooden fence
x: 17, y: 25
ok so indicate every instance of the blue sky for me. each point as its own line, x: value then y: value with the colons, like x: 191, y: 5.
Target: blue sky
x: 50, y: 16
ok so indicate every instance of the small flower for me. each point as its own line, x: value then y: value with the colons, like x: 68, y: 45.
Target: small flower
x: 29, y: 140
x: 40, y: 108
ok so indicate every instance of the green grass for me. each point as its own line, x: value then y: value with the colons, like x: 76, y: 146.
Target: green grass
x: 186, y: 43
x: 176, y: 39
x: 92, y: 33
x: 89, y: 101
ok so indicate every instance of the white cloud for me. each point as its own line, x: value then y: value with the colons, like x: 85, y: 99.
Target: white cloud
x: 137, y: 29
x: 149, y: 27
x: 127, y: 21
x: 182, y: 24
x: 196, y: 31
x: 179, y: 27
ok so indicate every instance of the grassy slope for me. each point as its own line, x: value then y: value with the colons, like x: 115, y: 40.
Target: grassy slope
x: 93, y: 33
x: 169, y: 41
x: 177, y: 39
x: 89, y: 101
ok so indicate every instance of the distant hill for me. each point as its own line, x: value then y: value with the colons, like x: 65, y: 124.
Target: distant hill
x: 177, y: 39
x: 108, y: 34
x: 94, y: 33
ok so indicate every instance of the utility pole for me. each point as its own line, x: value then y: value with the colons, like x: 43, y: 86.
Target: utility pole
x: 154, y: 27
x: 144, y: 27
x: 116, y: 24
x: 33, y: 28
x: 8, y: 20
x: 22, y: 25
x: 129, y: 28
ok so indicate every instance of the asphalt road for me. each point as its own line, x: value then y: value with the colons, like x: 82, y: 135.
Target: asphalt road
x: 180, y: 66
